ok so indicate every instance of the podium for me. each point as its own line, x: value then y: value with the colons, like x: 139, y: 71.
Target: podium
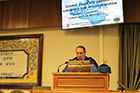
x: 80, y: 81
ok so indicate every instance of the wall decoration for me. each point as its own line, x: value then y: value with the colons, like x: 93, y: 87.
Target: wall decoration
x: 21, y: 61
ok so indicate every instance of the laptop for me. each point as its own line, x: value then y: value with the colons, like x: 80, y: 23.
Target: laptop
x: 79, y: 66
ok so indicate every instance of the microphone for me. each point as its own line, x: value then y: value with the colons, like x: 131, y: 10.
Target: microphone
x: 61, y: 65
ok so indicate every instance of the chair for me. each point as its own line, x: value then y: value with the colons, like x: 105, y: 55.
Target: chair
x: 16, y: 91
x: 2, y: 91
x: 41, y: 88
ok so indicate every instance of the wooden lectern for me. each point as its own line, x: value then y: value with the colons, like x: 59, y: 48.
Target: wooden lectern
x: 81, y: 81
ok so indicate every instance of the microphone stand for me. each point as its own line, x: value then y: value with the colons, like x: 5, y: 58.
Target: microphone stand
x: 61, y: 65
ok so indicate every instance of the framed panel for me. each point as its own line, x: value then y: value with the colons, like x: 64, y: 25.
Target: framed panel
x: 21, y: 61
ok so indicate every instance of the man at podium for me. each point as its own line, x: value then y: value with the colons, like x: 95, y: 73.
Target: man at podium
x: 81, y: 52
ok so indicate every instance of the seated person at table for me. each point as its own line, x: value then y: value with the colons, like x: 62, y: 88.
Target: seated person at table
x: 81, y: 52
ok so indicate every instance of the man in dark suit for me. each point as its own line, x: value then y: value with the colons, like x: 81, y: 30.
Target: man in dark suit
x: 81, y: 55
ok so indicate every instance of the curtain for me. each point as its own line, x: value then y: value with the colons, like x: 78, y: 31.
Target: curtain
x: 129, y: 56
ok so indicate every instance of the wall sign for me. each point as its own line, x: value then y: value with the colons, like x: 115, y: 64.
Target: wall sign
x: 21, y: 61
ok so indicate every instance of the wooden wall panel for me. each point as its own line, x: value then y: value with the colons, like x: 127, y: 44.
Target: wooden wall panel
x: 7, y: 15
x: 1, y: 12
x: 21, y: 13
x: 44, y: 13
x: 36, y: 13
x: 47, y: 13
x: 131, y: 11
x: 16, y: 14
x: 55, y: 14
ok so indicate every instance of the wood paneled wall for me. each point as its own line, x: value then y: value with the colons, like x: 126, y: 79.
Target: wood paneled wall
x: 131, y: 11
x: 16, y: 14
x: 44, y: 13
x: 1, y: 14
